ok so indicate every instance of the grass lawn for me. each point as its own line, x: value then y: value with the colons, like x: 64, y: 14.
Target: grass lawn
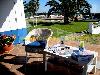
x: 60, y: 29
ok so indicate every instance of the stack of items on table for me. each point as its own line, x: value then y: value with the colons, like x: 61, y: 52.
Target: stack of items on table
x: 82, y: 56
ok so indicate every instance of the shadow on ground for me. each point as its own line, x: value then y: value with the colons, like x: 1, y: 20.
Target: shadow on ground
x: 48, y: 23
x: 5, y: 71
x: 36, y: 67
x: 16, y: 60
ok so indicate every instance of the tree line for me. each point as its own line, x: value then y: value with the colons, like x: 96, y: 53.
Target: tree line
x: 67, y: 8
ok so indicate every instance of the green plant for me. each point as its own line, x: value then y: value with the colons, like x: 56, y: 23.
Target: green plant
x: 6, y: 40
x: 81, y: 44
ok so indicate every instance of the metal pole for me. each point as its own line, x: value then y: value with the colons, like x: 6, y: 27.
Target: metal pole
x: 36, y: 13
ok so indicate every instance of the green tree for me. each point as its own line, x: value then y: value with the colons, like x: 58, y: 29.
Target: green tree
x: 31, y: 7
x: 68, y: 8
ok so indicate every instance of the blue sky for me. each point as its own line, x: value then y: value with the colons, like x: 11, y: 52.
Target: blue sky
x: 95, y: 6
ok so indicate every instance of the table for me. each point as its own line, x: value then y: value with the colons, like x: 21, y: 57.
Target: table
x: 57, y: 50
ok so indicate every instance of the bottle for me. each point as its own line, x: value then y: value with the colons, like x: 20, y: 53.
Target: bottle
x: 81, y: 46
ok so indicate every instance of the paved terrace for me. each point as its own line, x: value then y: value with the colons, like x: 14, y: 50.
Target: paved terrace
x: 13, y: 63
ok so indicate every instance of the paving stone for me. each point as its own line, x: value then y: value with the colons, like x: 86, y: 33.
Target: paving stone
x: 15, y: 60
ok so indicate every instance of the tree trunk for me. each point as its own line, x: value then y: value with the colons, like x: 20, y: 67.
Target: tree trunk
x: 66, y: 19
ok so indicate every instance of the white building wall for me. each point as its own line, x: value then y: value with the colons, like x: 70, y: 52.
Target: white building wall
x: 12, y: 15
x: 93, y: 29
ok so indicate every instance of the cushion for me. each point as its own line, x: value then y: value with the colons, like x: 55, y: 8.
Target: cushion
x: 35, y: 43
x: 42, y: 42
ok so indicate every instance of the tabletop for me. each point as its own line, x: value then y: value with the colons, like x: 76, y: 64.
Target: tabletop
x: 69, y: 51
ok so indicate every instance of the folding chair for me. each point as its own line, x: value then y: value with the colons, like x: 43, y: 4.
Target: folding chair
x: 37, y: 40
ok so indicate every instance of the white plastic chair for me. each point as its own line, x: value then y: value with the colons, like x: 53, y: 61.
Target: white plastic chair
x: 40, y: 38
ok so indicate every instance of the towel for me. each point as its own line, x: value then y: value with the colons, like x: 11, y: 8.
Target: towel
x: 85, y: 55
